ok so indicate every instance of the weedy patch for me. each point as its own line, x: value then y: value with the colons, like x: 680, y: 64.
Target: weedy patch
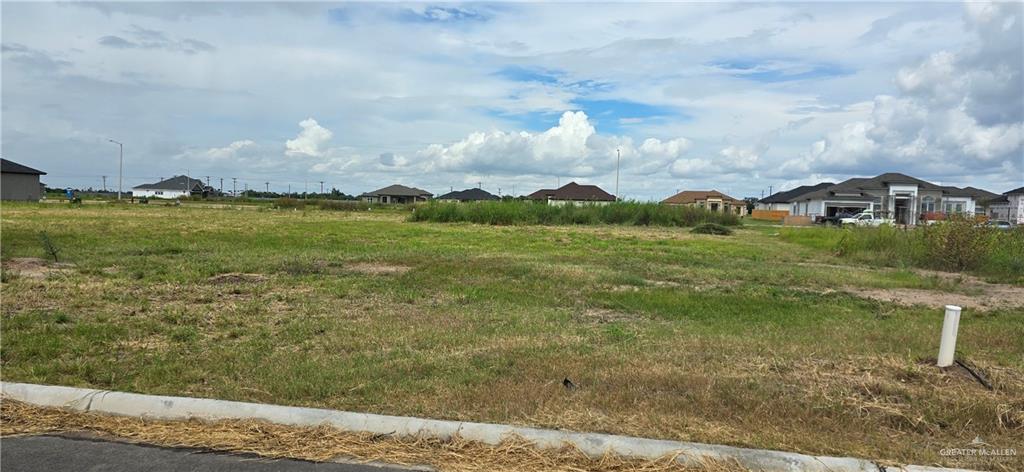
x: 326, y: 444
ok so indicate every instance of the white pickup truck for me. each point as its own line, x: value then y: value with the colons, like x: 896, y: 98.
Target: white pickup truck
x: 865, y: 218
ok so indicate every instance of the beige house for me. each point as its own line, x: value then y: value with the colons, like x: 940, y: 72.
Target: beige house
x: 712, y: 200
x: 573, y: 193
x: 396, y: 194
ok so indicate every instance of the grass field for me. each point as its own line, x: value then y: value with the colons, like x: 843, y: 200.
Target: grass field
x: 747, y: 339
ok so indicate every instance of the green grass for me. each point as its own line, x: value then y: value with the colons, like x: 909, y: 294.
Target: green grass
x: 520, y: 212
x: 669, y: 334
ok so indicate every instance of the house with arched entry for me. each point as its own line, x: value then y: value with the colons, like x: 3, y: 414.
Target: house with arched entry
x: 902, y: 198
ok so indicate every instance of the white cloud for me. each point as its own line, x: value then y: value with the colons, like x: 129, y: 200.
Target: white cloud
x: 573, y: 148
x: 958, y: 112
x: 311, y: 141
x: 233, y: 150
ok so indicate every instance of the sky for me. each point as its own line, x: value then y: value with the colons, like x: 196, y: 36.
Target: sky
x: 513, y: 97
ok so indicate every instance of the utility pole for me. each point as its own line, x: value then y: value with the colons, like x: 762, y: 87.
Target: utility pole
x: 222, y: 185
x: 234, y: 186
x: 513, y: 190
x: 618, y: 157
x: 207, y: 180
x: 289, y: 190
x: 769, y: 190
x: 499, y: 191
x: 104, y: 184
x: 120, y: 166
x: 479, y: 185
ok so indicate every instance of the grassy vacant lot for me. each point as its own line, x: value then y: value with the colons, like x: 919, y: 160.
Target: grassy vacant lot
x: 746, y: 339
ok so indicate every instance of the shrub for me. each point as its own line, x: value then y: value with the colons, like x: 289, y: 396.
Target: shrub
x: 539, y: 213
x: 957, y: 244
x: 289, y: 203
x: 712, y: 228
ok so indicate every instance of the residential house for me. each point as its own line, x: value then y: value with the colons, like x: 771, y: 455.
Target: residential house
x: 1008, y: 207
x: 905, y: 199
x: 981, y: 197
x: 712, y: 200
x: 468, y: 195
x: 780, y: 201
x: 174, y: 187
x: 573, y: 193
x: 397, y: 194
x: 19, y: 182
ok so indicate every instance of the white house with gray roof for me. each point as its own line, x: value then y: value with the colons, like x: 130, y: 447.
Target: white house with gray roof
x: 174, y: 187
x: 905, y: 199
x: 1008, y: 207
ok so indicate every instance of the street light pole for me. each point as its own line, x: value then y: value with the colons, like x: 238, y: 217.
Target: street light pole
x: 120, y: 166
x: 618, y: 157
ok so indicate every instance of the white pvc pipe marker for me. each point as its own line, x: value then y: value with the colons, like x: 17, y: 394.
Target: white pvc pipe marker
x: 950, y: 325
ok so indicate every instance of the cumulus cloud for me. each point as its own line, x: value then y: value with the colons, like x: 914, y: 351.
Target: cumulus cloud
x: 957, y: 111
x: 311, y: 141
x: 572, y: 148
x: 732, y: 159
x: 231, y: 151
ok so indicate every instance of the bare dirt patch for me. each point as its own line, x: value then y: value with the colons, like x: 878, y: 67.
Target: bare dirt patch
x: 36, y: 268
x: 236, y: 278
x: 980, y: 295
x: 602, y: 315
x: 374, y: 268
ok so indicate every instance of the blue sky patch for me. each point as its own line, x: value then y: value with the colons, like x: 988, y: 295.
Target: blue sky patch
x: 779, y: 70
x: 622, y: 109
x: 527, y: 74
x: 442, y: 14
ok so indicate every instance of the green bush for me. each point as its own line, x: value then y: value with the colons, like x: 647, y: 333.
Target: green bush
x: 540, y: 213
x: 288, y: 203
x: 954, y: 245
x: 712, y: 228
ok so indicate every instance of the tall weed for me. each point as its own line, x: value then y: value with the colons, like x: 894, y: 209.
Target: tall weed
x: 537, y: 213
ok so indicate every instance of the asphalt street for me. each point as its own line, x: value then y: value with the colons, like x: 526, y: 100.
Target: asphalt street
x: 56, y: 453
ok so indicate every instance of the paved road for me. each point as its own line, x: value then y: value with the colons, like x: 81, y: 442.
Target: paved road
x: 54, y: 453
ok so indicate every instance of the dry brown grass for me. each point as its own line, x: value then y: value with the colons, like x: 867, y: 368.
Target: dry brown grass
x: 326, y: 444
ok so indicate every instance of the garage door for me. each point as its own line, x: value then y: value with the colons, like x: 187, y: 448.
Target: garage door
x: 836, y: 208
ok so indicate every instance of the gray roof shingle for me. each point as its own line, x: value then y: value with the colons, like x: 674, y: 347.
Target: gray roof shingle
x: 11, y: 167
x: 178, y: 182
x: 398, y: 191
x: 470, y: 194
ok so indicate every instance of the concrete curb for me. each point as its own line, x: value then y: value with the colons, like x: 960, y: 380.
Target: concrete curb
x: 595, y: 445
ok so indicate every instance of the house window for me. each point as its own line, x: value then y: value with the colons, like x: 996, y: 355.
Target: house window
x: 927, y: 205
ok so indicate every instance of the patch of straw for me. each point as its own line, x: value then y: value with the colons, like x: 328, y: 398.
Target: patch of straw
x: 325, y: 443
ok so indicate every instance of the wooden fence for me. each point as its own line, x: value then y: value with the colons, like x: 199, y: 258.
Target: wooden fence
x: 772, y: 215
